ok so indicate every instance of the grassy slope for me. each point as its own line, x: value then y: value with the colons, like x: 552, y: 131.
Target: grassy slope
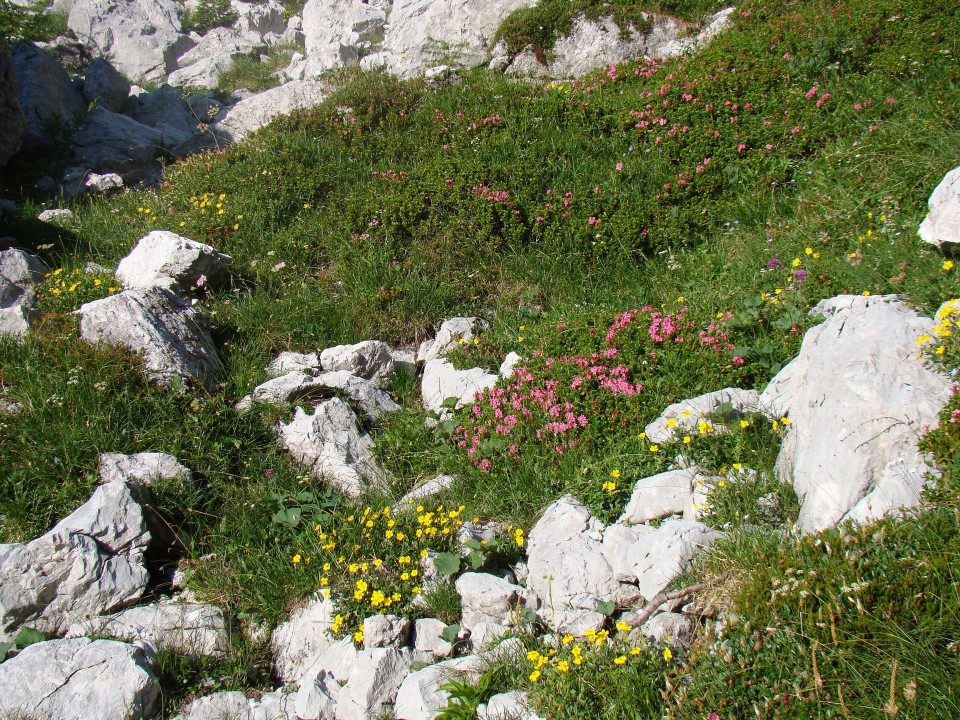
x: 327, y: 251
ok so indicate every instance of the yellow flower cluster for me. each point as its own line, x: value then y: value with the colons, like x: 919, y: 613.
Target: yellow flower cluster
x: 574, y: 653
x: 948, y: 317
x: 214, y: 205
x: 69, y: 290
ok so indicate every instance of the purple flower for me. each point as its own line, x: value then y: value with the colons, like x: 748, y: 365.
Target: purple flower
x: 799, y: 275
x: 774, y: 264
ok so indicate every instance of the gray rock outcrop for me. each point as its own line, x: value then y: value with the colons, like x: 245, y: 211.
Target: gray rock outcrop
x: 78, y: 678
x: 369, y: 359
x: 859, y: 398
x: 257, y: 110
x: 104, y: 85
x: 19, y: 272
x: 46, y: 96
x: 142, y: 468
x: 420, y: 696
x: 295, y: 386
x: 13, y: 124
x: 172, y: 338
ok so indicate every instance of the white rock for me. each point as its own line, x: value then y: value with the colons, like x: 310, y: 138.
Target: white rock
x: 165, y: 259
x: 423, y: 33
x: 657, y: 558
x: 317, y: 697
x: 404, y: 361
x: 449, y: 335
x: 374, y: 680
x: 172, y: 337
x: 380, y: 631
x: 514, y: 705
x: 669, y: 628
x: 16, y: 321
x: 299, y: 386
x: 258, y: 110
x: 487, y: 598
x: 617, y: 540
x: 858, y: 398
x: 234, y: 705
x: 102, y: 183
x: 433, y: 486
x: 288, y: 362
x: 427, y: 634
x: 687, y: 414
x: 202, y: 65
x: 300, y: 641
x: 19, y: 272
x: 142, y: 39
x: 420, y: 696
x: 56, y: 216
x: 370, y: 359
x: 508, y: 364
x: 331, y: 443
x: 90, y: 563
x: 568, y: 568
x: 143, y: 468
x: 336, y: 661
x: 441, y: 380
x: 654, y: 497
x: 77, y: 679
x: 338, y: 32
x: 942, y: 224
x: 183, y: 627
x: 484, y: 634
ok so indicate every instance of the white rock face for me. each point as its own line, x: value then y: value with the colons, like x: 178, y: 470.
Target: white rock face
x: 487, y: 598
x: 300, y: 641
x: 142, y: 39
x: 669, y: 628
x: 658, y: 496
x: 568, y: 568
x: 369, y: 359
x: 56, y: 216
x: 186, y: 628
x: 332, y: 445
x: 421, y: 32
x: 942, y: 225
x: 514, y: 705
x: 380, y: 631
x: 420, y: 696
x: 617, y: 540
x: 373, y: 682
x: 317, y: 697
x: 299, y: 386
x: 449, y: 335
x: 258, y: 110
x: 658, y: 557
x: 339, y: 32
x: 142, y: 468
x: 172, y: 337
x: 165, y: 259
x: 441, y: 380
x: 89, y: 564
x: 202, y: 65
x: 858, y: 399
x: 484, y: 634
x: 288, y: 362
x: 508, y: 364
x: 79, y: 678
x: 683, y: 417
x: 336, y: 660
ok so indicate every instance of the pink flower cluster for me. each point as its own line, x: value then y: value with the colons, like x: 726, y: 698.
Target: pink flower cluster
x: 492, y: 196
x: 389, y: 175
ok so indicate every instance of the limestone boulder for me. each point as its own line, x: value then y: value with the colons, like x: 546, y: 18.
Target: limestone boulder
x: 420, y: 696
x: 288, y: 362
x: 103, y: 84
x: 299, y: 642
x: 296, y: 386
x: 514, y: 705
x: 433, y: 486
x: 657, y: 558
x: 859, y: 398
x: 186, y: 628
x: 941, y: 227
x: 108, y: 142
x: 142, y: 468
x: 667, y: 493
x: 330, y: 442
x: 143, y: 40
x: 380, y: 631
x: 374, y: 680
x: 13, y: 124
x: 79, y: 678
x: 370, y: 359
x: 19, y: 272
x: 568, y: 568
x: 258, y: 110
x: 684, y: 417
x: 46, y: 96
x: 669, y: 628
x: 488, y: 598
x: 234, y: 705
x: 202, y: 65
x: 338, y: 33
x: 172, y: 338
x: 167, y: 260
x: 164, y: 110
x: 428, y: 637
x: 441, y: 380
x: 449, y: 336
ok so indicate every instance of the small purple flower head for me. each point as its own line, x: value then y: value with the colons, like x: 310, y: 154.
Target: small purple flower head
x: 799, y: 275
x: 774, y: 264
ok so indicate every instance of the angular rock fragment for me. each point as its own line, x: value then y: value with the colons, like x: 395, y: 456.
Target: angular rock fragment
x: 685, y: 416
x: 297, y: 643
x: 165, y: 259
x: 441, y: 380
x: 370, y: 359
x: 296, y: 386
x: 172, y: 337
